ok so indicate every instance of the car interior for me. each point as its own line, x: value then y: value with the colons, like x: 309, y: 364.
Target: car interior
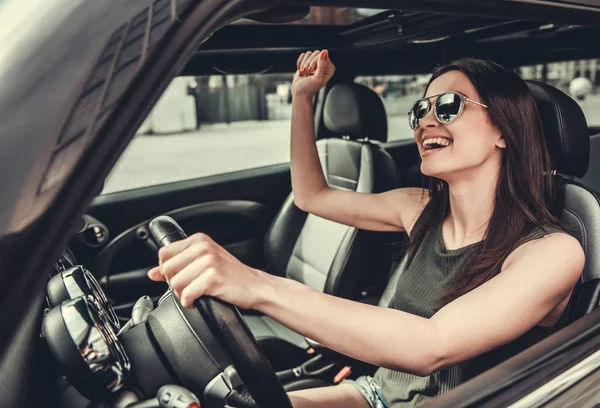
x: 249, y: 359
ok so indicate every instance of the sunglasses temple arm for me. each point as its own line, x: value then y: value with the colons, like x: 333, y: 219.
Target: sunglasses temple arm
x: 475, y: 102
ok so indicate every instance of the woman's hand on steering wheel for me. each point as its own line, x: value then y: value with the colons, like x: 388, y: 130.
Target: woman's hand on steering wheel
x: 197, y: 266
x: 314, y: 70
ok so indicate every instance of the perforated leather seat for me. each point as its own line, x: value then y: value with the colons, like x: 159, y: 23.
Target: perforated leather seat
x: 328, y: 256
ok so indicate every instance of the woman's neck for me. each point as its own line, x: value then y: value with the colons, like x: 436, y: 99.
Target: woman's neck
x: 471, y: 207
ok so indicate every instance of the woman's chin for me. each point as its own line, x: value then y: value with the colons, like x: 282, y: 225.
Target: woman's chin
x: 433, y: 170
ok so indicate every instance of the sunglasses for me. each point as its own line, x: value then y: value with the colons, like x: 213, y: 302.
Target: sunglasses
x: 447, y: 108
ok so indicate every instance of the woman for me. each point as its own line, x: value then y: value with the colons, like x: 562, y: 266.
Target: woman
x: 491, y: 271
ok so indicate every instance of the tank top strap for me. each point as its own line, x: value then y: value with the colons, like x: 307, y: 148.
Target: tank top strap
x: 425, y: 217
x: 537, y: 233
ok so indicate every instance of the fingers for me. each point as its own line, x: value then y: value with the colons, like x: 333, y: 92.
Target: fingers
x: 177, y: 263
x: 304, y: 66
x: 167, y: 252
x: 308, y: 63
x: 325, y: 67
x: 312, y: 62
x: 155, y: 274
x: 191, y: 272
x: 198, y: 287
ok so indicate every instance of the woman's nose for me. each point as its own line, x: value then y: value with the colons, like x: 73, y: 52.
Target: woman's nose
x: 429, y: 120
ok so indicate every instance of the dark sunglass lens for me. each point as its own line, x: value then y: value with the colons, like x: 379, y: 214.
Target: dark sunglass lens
x: 418, y: 112
x: 447, y: 107
x: 421, y: 108
x: 412, y: 120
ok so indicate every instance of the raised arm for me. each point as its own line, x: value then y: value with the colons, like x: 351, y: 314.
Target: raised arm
x: 389, y: 211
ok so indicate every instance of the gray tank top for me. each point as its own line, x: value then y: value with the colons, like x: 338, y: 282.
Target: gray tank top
x: 419, y: 291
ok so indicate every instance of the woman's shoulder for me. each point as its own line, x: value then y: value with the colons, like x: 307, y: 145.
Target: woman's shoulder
x: 545, y: 231
x: 546, y: 241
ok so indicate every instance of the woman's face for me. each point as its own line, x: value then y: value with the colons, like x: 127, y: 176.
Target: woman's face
x: 473, y: 141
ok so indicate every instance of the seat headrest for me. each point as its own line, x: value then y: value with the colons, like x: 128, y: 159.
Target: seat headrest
x: 565, y: 129
x: 356, y: 111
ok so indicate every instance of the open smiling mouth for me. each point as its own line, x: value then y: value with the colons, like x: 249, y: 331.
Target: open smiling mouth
x: 437, y: 143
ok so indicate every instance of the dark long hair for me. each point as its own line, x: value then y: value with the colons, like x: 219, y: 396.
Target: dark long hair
x: 525, y: 190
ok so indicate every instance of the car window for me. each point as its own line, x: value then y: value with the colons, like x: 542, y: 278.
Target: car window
x: 398, y: 93
x: 208, y: 125
x: 579, y: 79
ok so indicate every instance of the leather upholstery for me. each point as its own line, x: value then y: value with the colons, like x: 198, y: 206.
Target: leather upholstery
x: 355, y: 111
x: 265, y: 327
x: 592, y: 177
x: 567, y: 133
x: 327, y: 256
x: 330, y: 257
x: 565, y: 129
x: 581, y: 214
x: 390, y: 289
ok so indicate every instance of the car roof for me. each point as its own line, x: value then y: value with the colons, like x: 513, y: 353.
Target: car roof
x: 397, y: 41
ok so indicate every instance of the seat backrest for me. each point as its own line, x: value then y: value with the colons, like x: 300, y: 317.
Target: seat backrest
x: 325, y: 255
x: 566, y: 132
x: 591, y: 178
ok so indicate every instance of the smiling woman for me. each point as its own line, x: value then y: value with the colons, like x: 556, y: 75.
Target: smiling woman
x: 490, y: 276
x: 463, y: 259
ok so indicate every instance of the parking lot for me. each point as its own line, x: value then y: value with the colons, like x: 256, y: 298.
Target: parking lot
x: 222, y: 148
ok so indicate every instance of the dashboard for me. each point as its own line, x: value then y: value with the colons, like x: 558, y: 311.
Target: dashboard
x: 65, y: 260
x: 165, y: 353
x: 105, y: 364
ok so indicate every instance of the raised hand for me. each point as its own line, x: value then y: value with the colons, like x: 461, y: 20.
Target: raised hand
x: 314, y: 70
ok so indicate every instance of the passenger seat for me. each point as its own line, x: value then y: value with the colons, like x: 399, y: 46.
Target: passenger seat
x: 330, y: 257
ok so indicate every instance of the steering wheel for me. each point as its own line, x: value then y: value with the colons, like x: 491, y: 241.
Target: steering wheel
x: 230, y: 329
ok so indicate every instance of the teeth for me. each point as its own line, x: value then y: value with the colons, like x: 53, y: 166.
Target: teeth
x: 437, y: 140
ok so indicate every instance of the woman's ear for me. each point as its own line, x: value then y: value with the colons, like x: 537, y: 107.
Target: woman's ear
x: 501, y: 143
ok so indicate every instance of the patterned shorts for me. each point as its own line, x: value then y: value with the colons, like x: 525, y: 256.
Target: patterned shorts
x: 370, y: 390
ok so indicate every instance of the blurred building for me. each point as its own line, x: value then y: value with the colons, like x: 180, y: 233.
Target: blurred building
x: 560, y: 74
